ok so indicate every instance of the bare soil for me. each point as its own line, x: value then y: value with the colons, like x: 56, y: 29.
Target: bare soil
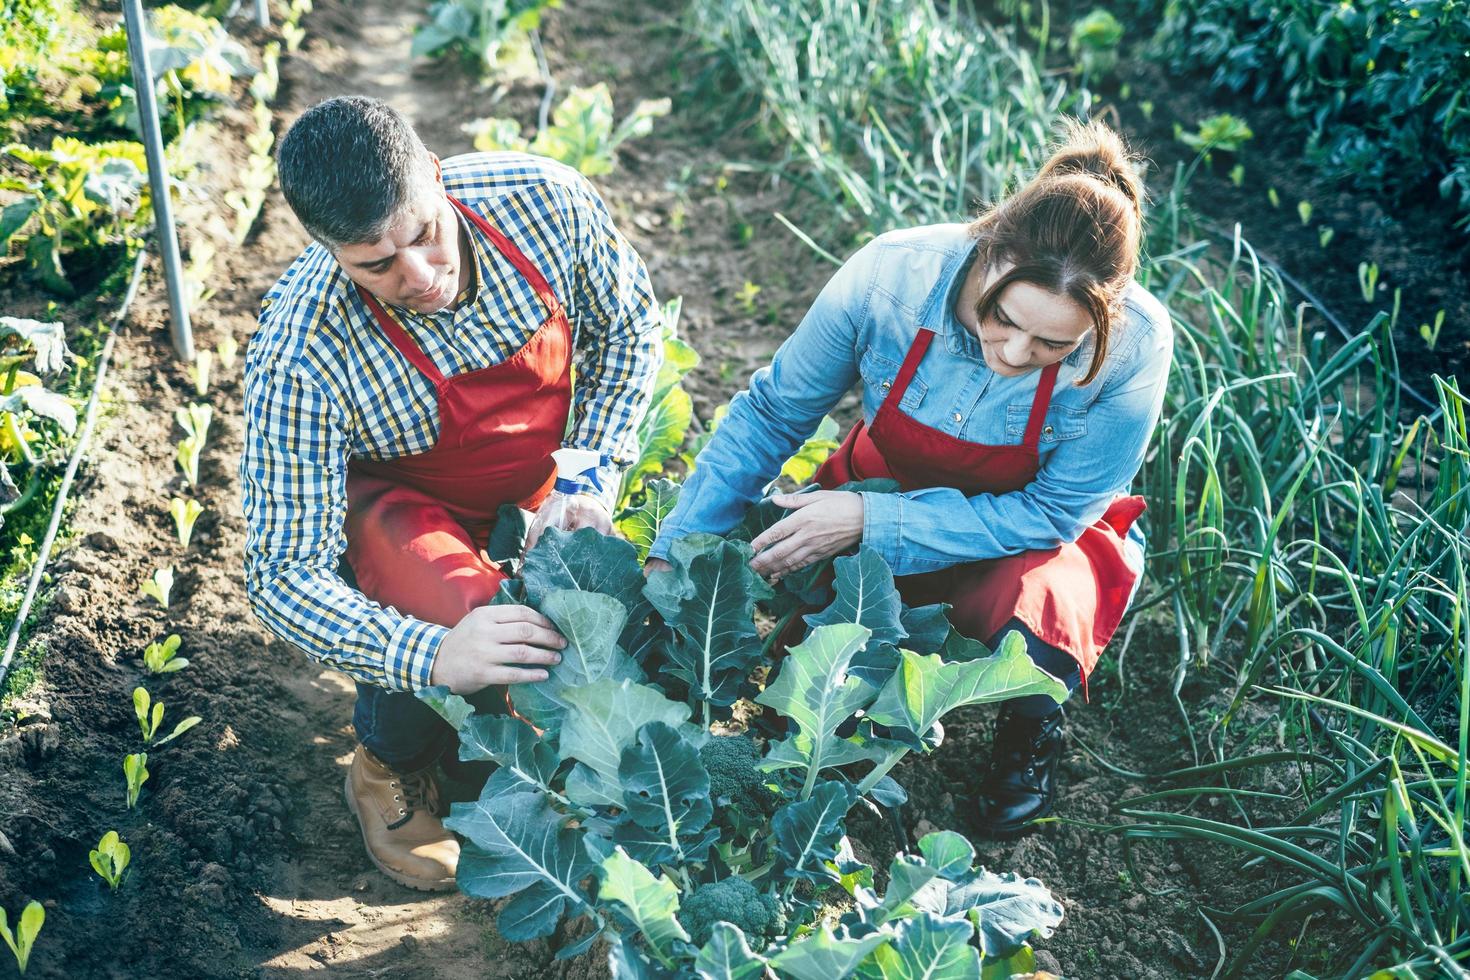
x: 246, y: 861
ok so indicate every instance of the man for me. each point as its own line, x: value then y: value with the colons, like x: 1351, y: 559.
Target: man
x: 413, y: 372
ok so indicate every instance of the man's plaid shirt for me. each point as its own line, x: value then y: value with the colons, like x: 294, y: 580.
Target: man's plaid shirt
x: 323, y: 384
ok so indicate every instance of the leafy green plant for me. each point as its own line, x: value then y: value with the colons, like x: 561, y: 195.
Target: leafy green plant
x: 199, y: 371
x: 226, y: 350
x: 1324, y: 235
x: 1368, y: 280
x: 1237, y: 174
x: 483, y: 29
x: 1218, y: 132
x: 27, y: 928
x: 110, y: 859
x: 82, y: 196
x: 185, y: 512
x: 159, y: 585
x: 135, y: 771
x: 195, y: 420
x: 581, y: 133
x: 162, y: 657
x: 32, y: 417
x: 1429, y: 334
x: 1094, y: 42
x: 150, y: 717
x: 619, y: 778
x: 258, y: 175
x: 1304, y: 211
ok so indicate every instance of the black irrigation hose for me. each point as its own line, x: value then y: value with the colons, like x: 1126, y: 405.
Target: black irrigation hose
x: 44, y: 554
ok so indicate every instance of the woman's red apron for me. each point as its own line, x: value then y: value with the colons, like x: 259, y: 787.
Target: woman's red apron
x: 415, y: 525
x: 1071, y: 596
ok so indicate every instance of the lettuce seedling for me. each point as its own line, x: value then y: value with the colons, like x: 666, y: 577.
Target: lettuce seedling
x: 195, y: 420
x: 110, y: 859
x: 185, y: 511
x: 135, y: 768
x: 199, y: 372
x: 187, y: 455
x: 150, y: 718
x: 26, y: 931
x: 160, y: 585
x: 226, y: 349
x: 162, y: 658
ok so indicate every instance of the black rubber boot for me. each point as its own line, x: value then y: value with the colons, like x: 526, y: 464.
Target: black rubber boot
x: 1020, y: 785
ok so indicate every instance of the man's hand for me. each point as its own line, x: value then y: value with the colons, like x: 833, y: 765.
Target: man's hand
x: 583, y: 510
x: 825, y: 523
x: 655, y: 565
x: 486, y: 644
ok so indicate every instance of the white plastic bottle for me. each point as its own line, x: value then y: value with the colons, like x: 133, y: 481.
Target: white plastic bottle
x: 575, y: 469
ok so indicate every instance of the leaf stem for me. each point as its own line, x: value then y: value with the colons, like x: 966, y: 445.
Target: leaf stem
x: 776, y: 632
x: 880, y: 770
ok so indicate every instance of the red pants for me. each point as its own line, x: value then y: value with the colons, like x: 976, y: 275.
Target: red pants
x: 408, y: 551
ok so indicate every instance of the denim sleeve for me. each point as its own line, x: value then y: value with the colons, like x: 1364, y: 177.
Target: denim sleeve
x: 929, y: 529
x: 780, y: 410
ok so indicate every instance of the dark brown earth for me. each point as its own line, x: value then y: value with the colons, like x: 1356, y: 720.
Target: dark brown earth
x: 246, y: 862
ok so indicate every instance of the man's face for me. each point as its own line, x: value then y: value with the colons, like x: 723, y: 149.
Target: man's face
x: 417, y: 263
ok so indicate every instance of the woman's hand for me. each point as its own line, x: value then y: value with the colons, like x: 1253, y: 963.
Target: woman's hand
x: 655, y: 565
x: 826, y: 523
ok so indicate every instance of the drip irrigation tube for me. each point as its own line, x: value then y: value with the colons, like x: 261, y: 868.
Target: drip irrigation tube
x: 44, y: 554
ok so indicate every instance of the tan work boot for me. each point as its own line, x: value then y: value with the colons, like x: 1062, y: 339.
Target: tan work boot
x: 400, y: 819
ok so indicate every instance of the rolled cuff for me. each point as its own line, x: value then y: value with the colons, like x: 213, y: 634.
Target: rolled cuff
x: 883, y: 525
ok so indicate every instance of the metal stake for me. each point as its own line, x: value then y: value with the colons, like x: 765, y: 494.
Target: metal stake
x: 262, y: 13
x: 163, y: 218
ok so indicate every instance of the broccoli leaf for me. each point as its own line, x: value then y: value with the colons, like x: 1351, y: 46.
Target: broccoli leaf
x: 451, y: 707
x: 927, y: 627
x: 815, y: 690
x: 809, y: 831
x: 505, y: 739
x: 823, y: 956
x: 640, y: 525
x: 925, y: 688
x: 925, y: 946
x: 1006, y: 908
x: 603, y: 718
x: 727, y: 956
x: 708, y: 596
x: 948, y: 853
x: 651, y: 903
x: 665, y: 787
x: 591, y: 623
x: 520, y: 846
x: 866, y: 596
x: 583, y: 559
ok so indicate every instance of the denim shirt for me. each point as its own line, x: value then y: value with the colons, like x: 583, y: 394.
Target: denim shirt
x: 860, y: 328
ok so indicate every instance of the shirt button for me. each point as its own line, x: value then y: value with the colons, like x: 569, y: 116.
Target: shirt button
x: 957, y: 416
x: 1047, y: 430
x: 885, y: 385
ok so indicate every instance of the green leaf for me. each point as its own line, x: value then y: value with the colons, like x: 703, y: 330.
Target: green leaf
x: 823, y: 956
x: 511, y: 743
x: 708, y: 596
x: 585, y: 560
x: 925, y: 688
x: 652, y: 845
x: 650, y: 902
x: 451, y: 707
x: 795, y: 752
x: 603, y: 719
x: 923, y: 947
x: 803, y: 465
x: 591, y: 622
x: 913, y: 886
x: 948, y: 853
x: 520, y: 846
x: 927, y: 627
x: 664, y: 785
x: 814, y: 689
x: 640, y: 525
x: 14, y: 218
x: 508, y: 536
x: 866, y: 596
x: 660, y: 436
x: 1007, y: 909
x: 808, y: 831
x: 46, y: 340
x: 41, y: 403
x: 727, y: 956
x: 44, y: 258
x: 179, y: 729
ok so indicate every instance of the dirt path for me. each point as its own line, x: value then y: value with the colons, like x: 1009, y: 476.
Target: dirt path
x: 247, y: 863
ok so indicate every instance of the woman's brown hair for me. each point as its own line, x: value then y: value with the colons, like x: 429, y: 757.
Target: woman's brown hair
x: 1073, y: 229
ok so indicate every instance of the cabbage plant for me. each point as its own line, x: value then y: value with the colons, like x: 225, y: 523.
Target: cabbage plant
x: 628, y: 801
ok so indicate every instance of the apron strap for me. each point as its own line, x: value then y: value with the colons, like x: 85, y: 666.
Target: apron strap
x: 1040, y: 404
x: 400, y: 339
x: 916, y: 353
x: 515, y: 256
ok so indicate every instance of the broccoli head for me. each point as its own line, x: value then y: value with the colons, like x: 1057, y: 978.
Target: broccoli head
x: 734, y: 779
x: 738, y: 902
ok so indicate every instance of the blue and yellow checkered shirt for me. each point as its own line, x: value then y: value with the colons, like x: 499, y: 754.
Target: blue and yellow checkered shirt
x: 324, y: 385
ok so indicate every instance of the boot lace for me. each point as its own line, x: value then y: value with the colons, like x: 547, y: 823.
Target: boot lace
x: 417, y: 791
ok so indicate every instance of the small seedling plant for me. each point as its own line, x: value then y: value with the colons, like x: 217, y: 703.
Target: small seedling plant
x: 163, y: 657
x: 21, y: 941
x: 33, y: 418
x: 159, y: 586
x: 150, y: 718
x: 195, y: 420
x: 110, y: 859
x: 135, y: 770
x: 185, y: 511
x: 627, y: 796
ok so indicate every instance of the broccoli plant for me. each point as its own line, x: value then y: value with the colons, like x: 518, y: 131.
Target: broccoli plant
x: 627, y: 801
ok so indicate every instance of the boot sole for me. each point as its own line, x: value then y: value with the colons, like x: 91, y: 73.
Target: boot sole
x: 1014, y: 831
x: 417, y: 884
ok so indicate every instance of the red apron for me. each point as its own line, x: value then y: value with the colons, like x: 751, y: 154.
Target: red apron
x: 1072, y: 596
x: 415, y: 525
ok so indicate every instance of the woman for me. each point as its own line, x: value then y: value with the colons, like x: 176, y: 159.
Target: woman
x: 1013, y: 372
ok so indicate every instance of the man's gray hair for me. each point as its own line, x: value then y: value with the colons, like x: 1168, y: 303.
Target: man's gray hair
x: 346, y: 167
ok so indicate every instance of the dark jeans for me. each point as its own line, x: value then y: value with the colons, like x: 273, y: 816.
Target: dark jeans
x: 408, y: 735
x: 1061, y: 665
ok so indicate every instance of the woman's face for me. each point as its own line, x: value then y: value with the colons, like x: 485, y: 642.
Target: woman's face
x: 1029, y: 328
